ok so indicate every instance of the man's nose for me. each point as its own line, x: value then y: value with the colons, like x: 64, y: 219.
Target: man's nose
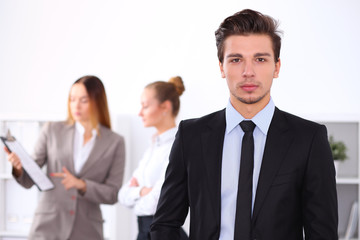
x: 248, y: 70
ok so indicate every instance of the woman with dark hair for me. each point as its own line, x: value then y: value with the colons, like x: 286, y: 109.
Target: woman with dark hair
x: 85, y: 161
x: 160, y: 105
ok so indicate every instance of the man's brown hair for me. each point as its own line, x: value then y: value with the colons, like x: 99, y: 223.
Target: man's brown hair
x: 248, y: 22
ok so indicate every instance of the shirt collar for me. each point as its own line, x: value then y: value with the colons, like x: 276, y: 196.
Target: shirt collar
x: 262, y: 119
x: 81, y: 130
x: 166, y: 136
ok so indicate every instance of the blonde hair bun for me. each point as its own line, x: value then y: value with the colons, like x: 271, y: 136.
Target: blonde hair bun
x: 179, y: 84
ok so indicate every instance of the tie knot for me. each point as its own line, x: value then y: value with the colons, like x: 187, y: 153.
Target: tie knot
x: 247, y: 126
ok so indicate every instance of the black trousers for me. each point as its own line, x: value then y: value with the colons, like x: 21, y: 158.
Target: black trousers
x: 144, y: 223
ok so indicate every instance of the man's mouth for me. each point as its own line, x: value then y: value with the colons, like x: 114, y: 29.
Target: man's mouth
x: 249, y: 87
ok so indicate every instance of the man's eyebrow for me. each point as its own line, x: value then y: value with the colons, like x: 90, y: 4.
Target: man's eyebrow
x: 234, y: 55
x: 262, y: 54
x: 238, y: 55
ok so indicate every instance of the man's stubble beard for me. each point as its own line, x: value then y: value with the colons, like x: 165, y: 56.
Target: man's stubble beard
x: 250, y: 100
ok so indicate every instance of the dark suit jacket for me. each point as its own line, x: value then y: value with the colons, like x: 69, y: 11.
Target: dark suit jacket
x: 296, y: 187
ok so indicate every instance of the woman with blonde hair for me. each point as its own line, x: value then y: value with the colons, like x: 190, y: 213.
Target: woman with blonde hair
x: 85, y: 161
x: 160, y: 105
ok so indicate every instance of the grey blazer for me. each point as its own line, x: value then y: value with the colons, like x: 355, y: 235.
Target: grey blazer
x: 66, y: 214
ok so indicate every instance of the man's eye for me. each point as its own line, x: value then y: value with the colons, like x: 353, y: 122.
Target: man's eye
x: 260, y: 59
x: 235, y: 60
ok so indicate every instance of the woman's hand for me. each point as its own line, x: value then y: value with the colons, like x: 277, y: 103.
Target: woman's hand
x: 70, y: 181
x: 145, y: 191
x: 134, y: 182
x: 15, y: 162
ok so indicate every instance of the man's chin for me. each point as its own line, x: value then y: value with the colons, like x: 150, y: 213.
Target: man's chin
x: 252, y: 100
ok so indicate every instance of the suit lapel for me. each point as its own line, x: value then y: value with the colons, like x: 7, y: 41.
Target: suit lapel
x: 68, y: 143
x: 100, y: 146
x: 212, y: 146
x: 277, y: 143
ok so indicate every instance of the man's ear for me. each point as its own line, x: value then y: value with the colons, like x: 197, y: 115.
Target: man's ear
x: 222, y: 70
x: 277, y: 69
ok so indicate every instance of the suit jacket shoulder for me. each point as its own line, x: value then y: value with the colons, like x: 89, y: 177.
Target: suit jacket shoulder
x: 197, y: 124
x: 60, y: 126
x: 296, y: 119
x: 297, y: 124
x: 56, y: 126
x: 108, y: 133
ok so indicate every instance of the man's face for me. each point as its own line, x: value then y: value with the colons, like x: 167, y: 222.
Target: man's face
x: 249, y: 68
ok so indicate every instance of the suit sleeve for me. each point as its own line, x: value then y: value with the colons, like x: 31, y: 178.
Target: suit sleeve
x: 320, y: 211
x: 173, y: 204
x: 107, y: 192
x: 40, y: 156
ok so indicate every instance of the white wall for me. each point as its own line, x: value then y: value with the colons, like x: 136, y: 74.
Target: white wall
x: 46, y: 45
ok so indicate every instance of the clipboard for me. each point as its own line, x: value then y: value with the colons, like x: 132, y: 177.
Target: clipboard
x: 29, y: 165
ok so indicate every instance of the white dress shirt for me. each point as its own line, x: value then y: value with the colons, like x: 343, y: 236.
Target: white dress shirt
x: 149, y: 173
x: 231, y: 161
x: 81, y: 151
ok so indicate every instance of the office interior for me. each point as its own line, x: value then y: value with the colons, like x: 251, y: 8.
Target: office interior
x: 46, y: 45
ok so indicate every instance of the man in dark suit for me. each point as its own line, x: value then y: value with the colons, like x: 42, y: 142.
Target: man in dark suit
x: 250, y: 171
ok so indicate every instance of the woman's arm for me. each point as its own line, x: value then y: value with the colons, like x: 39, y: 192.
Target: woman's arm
x: 40, y: 157
x: 130, y: 192
x: 13, y: 158
x: 150, y: 200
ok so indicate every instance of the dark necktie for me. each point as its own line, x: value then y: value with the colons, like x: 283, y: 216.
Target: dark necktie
x: 244, y: 195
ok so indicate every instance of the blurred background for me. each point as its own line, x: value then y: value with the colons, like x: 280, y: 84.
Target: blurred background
x: 46, y: 45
